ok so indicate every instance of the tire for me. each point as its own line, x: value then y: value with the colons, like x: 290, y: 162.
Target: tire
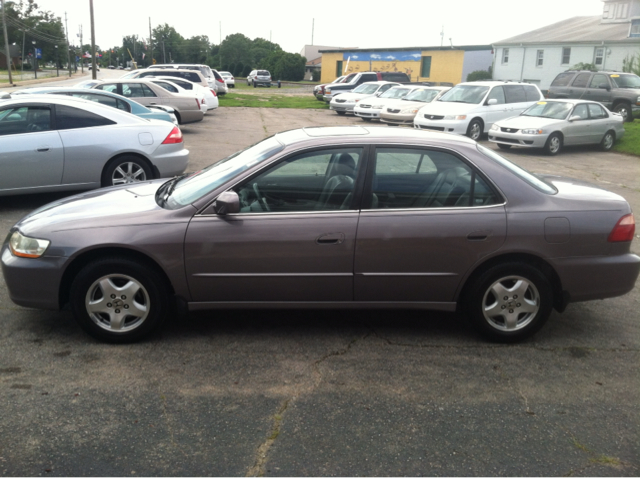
x: 392, y: 124
x: 341, y: 113
x: 254, y: 84
x: 553, y: 145
x: 99, y: 307
x: 475, y: 129
x: 504, y: 146
x: 126, y: 170
x: 366, y: 119
x: 510, y: 302
x: 625, y: 110
x: 607, y: 141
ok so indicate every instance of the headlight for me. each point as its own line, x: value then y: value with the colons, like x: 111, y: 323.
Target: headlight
x: 531, y: 131
x: 406, y: 111
x: 327, y: 91
x: 23, y: 246
x: 456, y: 117
x: 495, y: 127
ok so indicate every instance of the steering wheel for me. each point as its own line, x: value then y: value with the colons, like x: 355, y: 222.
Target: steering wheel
x: 261, y: 198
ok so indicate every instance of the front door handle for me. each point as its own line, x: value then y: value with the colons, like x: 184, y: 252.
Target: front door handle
x: 478, y: 235
x: 43, y: 149
x: 330, y: 238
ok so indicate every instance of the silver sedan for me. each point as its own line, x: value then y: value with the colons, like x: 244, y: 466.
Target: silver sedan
x: 553, y: 124
x: 55, y: 143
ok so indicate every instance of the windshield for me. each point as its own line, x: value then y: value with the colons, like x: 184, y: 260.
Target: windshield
x: 395, y: 93
x: 426, y: 96
x: 549, y: 109
x: 626, y: 81
x: 473, y: 94
x: 366, y: 89
x: 534, y: 181
x: 263, y: 73
x: 192, y: 187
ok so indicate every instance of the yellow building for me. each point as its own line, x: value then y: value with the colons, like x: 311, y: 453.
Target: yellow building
x: 436, y: 64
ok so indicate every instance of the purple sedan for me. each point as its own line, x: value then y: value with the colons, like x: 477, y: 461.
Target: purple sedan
x: 341, y: 217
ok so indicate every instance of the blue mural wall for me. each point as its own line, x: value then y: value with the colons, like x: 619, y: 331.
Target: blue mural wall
x: 382, y: 56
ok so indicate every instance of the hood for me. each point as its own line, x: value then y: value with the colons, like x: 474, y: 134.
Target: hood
x: 441, y: 108
x: 402, y: 104
x: 353, y: 96
x: 119, y: 205
x: 527, y: 122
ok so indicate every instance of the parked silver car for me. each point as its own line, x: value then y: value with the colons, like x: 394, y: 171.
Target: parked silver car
x: 259, y: 78
x: 187, y: 106
x: 553, y: 124
x: 55, y: 143
x: 338, y: 217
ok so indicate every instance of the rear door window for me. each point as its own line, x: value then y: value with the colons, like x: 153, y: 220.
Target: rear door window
x: 74, y: 118
x: 581, y: 80
x: 531, y: 93
x: 515, y: 94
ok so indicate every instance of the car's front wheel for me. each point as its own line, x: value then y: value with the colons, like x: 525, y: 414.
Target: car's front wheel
x: 119, y: 300
x: 504, y: 146
x: 474, y: 131
x: 510, y: 301
x: 607, y: 141
x: 553, y: 144
x: 124, y: 170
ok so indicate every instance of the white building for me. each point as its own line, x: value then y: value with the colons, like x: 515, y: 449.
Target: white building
x: 605, y: 41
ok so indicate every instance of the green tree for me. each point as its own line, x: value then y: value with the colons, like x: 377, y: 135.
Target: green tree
x: 480, y: 75
x: 235, y: 48
x: 631, y: 64
x: 168, y: 44
x: 585, y: 66
x: 195, y: 50
x: 286, y: 66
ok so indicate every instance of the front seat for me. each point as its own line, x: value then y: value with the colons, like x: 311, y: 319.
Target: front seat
x: 338, y: 187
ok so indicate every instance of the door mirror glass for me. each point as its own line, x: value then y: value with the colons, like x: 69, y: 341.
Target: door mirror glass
x: 492, y: 101
x: 227, y: 203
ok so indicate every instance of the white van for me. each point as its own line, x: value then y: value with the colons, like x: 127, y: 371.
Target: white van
x: 471, y: 108
x: 214, y: 78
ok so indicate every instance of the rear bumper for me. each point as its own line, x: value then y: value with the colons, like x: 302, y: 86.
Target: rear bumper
x: 170, y: 161
x: 591, y: 278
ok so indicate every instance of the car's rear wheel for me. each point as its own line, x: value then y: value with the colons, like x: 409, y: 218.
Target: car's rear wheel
x: 119, y: 300
x: 504, y: 146
x: 125, y: 170
x: 607, y: 141
x: 474, y: 131
x: 553, y: 144
x: 510, y: 302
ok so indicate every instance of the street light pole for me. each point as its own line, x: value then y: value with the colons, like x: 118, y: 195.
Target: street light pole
x: 57, y: 70
x: 6, y: 45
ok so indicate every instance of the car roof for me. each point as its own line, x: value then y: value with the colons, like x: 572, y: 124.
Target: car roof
x: 494, y: 83
x: 104, y: 110
x: 370, y: 134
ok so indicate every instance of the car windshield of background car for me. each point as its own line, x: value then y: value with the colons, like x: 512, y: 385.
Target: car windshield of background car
x: 395, y: 93
x: 196, y: 185
x: 549, y: 109
x: 472, y: 94
x: 366, y: 89
x: 262, y: 73
x: 523, y: 174
x: 626, y: 81
x: 426, y: 96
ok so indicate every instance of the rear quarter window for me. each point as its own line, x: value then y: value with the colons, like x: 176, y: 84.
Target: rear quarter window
x: 562, y: 79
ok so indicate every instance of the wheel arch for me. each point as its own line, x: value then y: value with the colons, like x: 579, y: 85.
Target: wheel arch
x: 560, y: 298
x: 80, y: 261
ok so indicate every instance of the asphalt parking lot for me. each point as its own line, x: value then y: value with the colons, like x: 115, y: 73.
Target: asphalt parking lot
x: 297, y: 393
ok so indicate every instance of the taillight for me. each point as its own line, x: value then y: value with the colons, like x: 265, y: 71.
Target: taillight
x: 174, y: 137
x: 624, y: 229
x: 213, y: 92
x: 220, y: 80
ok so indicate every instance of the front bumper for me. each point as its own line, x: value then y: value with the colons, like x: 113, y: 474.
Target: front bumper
x: 367, y: 113
x: 346, y: 107
x: 518, y: 139
x: 448, y: 126
x: 399, y: 119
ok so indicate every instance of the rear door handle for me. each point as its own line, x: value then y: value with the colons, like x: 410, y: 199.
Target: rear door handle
x: 43, y: 149
x: 330, y: 238
x: 478, y: 235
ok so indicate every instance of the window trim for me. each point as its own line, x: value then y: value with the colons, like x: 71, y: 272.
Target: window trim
x: 505, y: 56
x: 539, y: 58
x: 565, y: 50
x: 598, y: 53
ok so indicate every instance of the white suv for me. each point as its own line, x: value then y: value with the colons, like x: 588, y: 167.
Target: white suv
x: 471, y: 108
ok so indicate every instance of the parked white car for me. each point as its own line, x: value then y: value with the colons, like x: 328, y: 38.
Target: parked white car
x: 228, y: 78
x: 210, y: 95
x: 370, y: 109
x: 553, y: 124
x: 175, y: 88
x: 471, y: 108
x: 345, y: 102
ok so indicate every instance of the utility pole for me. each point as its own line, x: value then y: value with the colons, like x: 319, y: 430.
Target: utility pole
x: 7, y: 53
x: 150, y: 40
x: 94, y: 73
x: 81, y: 52
x: 68, y: 45
x: 164, y: 55
x: 313, y: 26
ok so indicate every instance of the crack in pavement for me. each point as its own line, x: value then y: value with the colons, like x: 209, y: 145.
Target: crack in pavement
x: 259, y: 466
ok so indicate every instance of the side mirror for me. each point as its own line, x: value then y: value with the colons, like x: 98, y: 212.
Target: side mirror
x: 227, y: 203
x: 492, y: 101
x: 575, y: 118
x: 604, y: 87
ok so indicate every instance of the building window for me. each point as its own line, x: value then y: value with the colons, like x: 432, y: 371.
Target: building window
x: 622, y: 10
x: 635, y: 29
x: 540, y: 58
x: 599, y: 56
x: 566, y: 56
x: 606, y: 10
x: 505, y: 56
x: 425, y: 68
x: 338, y: 69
